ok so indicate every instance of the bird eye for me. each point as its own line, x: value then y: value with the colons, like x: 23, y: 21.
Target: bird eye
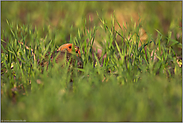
x: 76, y: 51
x: 70, y: 47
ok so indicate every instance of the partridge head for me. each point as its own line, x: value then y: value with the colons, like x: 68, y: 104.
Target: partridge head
x: 68, y: 52
x: 68, y: 47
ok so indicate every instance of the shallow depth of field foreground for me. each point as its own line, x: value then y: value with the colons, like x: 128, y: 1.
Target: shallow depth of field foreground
x: 128, y: 66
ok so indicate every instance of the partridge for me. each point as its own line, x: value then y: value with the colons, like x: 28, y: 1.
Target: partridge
x: 65, y: 52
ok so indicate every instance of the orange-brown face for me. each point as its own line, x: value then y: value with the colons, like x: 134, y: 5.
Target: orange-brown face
x: 68, y: 47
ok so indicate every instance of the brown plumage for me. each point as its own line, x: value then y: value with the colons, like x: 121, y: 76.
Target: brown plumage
x: 64, y: 54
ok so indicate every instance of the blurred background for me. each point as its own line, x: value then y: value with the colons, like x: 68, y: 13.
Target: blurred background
x: 162, y: 16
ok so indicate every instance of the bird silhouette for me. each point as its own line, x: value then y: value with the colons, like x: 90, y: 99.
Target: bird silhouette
x: 65, y: 53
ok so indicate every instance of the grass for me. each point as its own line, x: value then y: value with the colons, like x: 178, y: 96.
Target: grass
x: 138, y: 80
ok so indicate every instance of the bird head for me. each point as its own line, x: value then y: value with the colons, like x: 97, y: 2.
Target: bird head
x: 69, y: 48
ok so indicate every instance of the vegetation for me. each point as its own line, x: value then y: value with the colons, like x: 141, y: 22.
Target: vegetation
x: 131, y: 53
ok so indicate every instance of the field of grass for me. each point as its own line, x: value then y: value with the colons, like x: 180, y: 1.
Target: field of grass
x: 131, y: 53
